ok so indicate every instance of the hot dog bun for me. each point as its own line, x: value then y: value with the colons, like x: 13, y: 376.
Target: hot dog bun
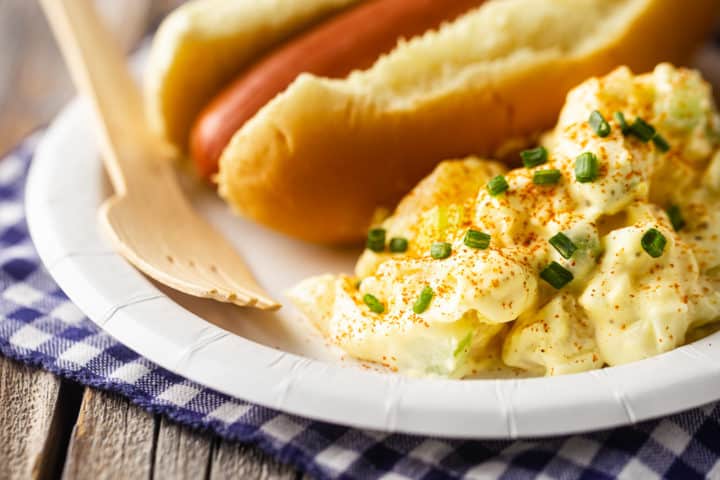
x: 203, y: 44
x: 348, y: 41
x: 318, y: 159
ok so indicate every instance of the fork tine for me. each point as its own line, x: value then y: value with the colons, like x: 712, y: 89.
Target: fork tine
x: 192, y: 281
x: 262, y: 301
x: 237, y: 295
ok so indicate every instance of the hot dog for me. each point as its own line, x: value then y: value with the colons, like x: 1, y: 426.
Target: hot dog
x: 203, y: 44
x: 351, y: 40
x: 313, y: 157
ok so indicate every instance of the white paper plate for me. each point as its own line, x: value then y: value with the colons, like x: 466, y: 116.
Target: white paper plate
x: 277, y: 361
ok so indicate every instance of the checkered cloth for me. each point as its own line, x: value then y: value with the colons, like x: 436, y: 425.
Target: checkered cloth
x: 40, y: 326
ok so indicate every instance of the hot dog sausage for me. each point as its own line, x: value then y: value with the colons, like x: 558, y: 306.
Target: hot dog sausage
x: 351, y: 40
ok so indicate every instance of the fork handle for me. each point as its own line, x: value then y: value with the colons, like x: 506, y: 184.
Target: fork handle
x: 99, y: 71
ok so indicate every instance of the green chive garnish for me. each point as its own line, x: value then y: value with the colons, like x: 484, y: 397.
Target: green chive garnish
x: 556, y: 275
x: 423, y: 301
x: 463, y: 344
x: 676, y: 217
x: 497, y: 185
x: 642, y: 130
x: 373, y: 303
x: 440, y: 250
x: 586, y: 167
x: 376, y: 240
x: 563, y: 245
x: 477, y: 239
x: 661, y: 143
x: 398, y: 245
x: 653, y: 242
x: 546, y: 177
x: 599, y: 124
x: 534, y: 157
x: 620, y: 119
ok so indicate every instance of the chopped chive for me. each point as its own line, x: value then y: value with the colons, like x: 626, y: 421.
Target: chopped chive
x: 463, y: 344
x: 546, y: 177
x: 477, y: 239
x: 376, y: 240
x: 642, y: 130
x: 620, y: 119
x: 423, y: 301
x: 563, y: 245
x: 398, y: 245
x: 556, y: 275
x: 653, y: 242
x: 599, y: 124
x: 357, y: 284
x: 661, y: 143
x: 676, y: 217
x: 497, y: 185
x: 373, y: 303
x: 534, y: 157
x: 586, y: 167
x: 440, y: 250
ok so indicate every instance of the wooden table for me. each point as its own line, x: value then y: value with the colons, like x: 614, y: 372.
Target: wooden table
x: 51, y: 427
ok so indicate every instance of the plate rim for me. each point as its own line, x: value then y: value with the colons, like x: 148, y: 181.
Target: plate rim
x: 477, y: 409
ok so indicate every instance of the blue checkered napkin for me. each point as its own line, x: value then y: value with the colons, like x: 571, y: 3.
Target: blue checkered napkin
x: 40, y: 326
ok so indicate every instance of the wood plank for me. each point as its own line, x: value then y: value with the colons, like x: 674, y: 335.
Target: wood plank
x: 232, y: 460
x: 51, y: 464
x: 111, y: 439
x: 181, y: 453
x: 33, y: 80
x: 27, y: 432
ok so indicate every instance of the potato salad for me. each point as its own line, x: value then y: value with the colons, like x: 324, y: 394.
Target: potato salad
x: 601, y: 249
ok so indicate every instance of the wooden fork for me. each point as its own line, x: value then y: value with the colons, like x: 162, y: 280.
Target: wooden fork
x: 151, y: 222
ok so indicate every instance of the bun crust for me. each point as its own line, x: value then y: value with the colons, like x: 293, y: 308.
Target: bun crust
x: 203, y: 44
x: 318, y: 159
